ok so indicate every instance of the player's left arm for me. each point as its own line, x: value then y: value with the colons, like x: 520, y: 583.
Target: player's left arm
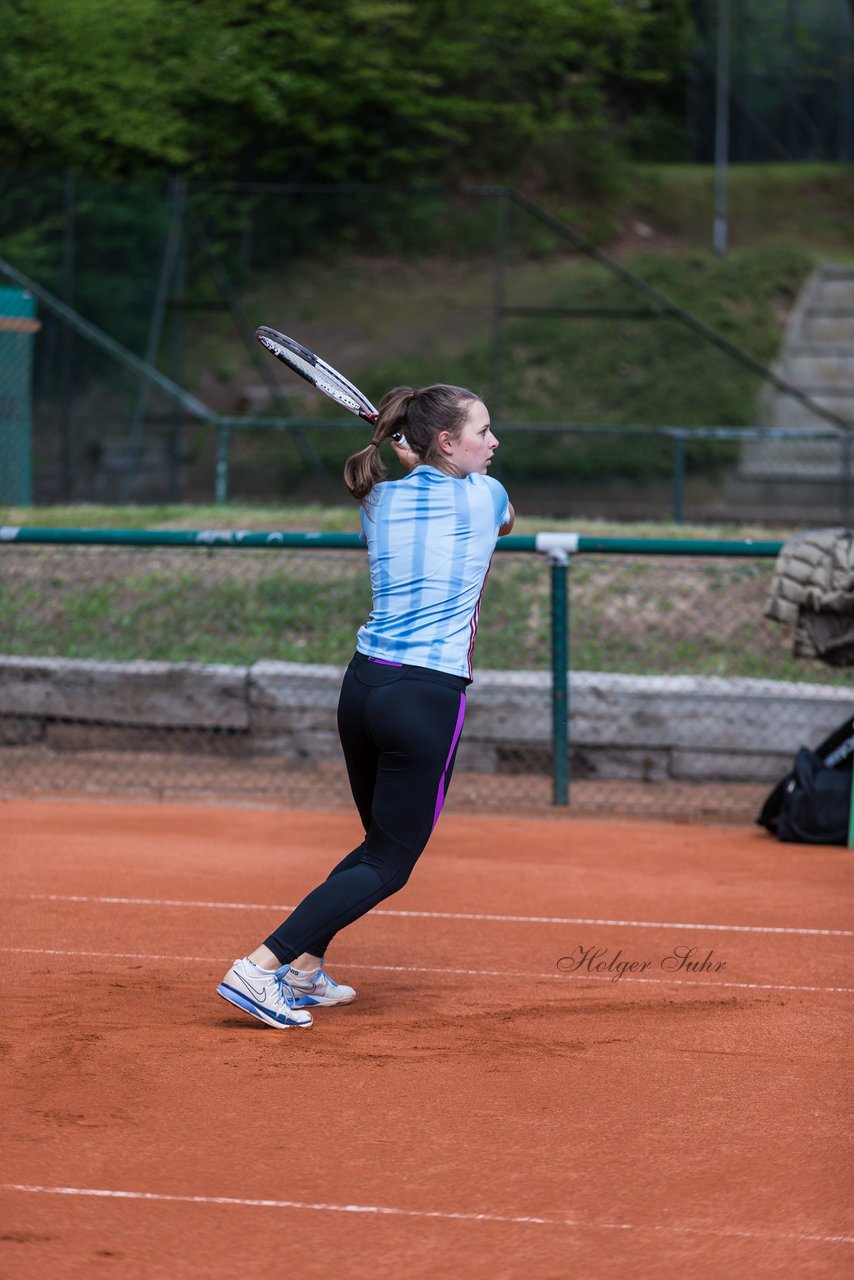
x: 508, y: 524
x: 504, y: 513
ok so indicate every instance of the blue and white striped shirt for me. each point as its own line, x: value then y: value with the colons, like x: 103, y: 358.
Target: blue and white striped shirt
x: 430, y: 541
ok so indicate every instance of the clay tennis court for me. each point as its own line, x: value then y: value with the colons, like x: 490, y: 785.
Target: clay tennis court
x: 491, y: 1105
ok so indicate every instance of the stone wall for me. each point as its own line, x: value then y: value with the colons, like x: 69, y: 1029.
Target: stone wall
x: 649, y: 728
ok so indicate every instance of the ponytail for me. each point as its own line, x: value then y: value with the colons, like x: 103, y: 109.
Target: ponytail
x: 419, y: 415
x: 366, y: 468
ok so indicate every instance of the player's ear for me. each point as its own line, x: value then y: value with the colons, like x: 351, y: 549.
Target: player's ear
x: 445, y: 441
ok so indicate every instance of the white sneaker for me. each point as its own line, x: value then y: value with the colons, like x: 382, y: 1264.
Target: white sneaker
x: 321, y: 989
x: 267, y: 997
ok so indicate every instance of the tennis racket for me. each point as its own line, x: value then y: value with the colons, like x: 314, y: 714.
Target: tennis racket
x: 316, y: 371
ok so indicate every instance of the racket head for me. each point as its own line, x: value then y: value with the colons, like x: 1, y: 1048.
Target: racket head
x: 321, y: 375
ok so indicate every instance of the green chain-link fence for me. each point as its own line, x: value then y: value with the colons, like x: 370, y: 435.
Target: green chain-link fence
x: 656, y: 391
x: 208, y: 664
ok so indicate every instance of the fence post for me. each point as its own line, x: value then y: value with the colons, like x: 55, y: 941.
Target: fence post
x: 559, y: 547
x: 162, y: 292
x: 223, y: 438
x: 66, y: 339
x: 559, y: 562
x: 678, y: 477
x: 499, y: 292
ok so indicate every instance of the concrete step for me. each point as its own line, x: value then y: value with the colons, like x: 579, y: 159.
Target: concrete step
x: 778, y: 470
x: 843, y: 392
x: 818, y: 359
x: 833, y: 325
x: 789, y: 412
x: 825, y: 367
x: 834, y: 291
x: 807, y: 460
x: 819, y: 503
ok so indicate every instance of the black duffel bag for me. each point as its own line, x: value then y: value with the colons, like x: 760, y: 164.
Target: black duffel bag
x: 812, y: 804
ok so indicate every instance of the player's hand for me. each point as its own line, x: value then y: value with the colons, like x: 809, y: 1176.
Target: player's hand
x: 405, y: 456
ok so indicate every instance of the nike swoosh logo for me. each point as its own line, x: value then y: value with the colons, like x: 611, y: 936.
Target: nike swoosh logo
x: 259, y: 995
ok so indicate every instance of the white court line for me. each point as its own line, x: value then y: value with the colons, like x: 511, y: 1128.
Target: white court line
x: 442, y: 915
x: 504, y: 974
x: 391, y: 1211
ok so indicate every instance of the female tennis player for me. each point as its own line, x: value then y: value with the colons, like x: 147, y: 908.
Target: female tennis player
x: 430, y: 539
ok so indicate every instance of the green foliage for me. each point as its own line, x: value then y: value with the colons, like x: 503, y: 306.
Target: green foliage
x: 95, y: 85
x: 542, y: 93
x: 361, y: 89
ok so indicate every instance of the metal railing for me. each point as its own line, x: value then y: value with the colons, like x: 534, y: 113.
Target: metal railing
x: 679, y: 438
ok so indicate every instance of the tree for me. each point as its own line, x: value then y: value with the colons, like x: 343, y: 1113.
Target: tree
x: 366, y: 89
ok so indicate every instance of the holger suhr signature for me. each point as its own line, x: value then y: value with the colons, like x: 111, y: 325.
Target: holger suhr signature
x: 601, y: 960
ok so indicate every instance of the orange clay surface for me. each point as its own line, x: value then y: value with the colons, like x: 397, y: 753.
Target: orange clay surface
x: 481, y: 1110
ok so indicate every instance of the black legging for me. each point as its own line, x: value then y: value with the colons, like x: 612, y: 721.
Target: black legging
x: 399, y: 727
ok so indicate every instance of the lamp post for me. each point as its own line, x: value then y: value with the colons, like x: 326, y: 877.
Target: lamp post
x: 719, y: 239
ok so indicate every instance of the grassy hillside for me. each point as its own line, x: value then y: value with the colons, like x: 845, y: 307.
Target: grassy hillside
x: 607, y: 358
x: 807, y: 204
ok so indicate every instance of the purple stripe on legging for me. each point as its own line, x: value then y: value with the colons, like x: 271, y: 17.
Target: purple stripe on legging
x: 458, y: 728
x: 383, y: 663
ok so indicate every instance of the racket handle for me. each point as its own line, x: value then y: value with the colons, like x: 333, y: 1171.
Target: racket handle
x: 399, y: 438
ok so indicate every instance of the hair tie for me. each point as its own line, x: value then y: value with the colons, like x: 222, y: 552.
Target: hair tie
x: 376, y: 443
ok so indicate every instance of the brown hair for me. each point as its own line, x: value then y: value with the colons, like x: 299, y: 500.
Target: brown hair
x: 420, y: 415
